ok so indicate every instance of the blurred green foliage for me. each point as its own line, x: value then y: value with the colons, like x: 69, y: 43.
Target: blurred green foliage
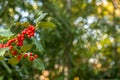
x: 84, y: 45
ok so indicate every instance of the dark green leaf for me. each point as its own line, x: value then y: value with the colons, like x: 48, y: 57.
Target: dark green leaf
x: 38, y: 44
x: 38, y: 64
x: 6, y: 67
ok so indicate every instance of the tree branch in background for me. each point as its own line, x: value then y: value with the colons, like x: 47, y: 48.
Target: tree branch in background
x: 68, y: 6
x: 116, y: 4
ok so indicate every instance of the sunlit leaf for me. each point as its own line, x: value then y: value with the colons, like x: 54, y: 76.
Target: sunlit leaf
x: 118, y: 49
x: 46, y: 25
x: 105, y: 41
x: 42, y: 16
x: 3, y: 50
x: 25, y: 24
x: 18, y: 23
x: 5, y: 32
x: 2, y: 37
x: 1, y: 77
x: 13, y: 61
x: 1, y: 58
x: 26, y: 47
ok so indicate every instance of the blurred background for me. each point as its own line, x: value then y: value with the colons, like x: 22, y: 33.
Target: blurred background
x: 85, y: 45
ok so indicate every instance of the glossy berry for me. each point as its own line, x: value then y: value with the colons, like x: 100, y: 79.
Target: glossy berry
x: 8, y: 44
x: 19, y: 40
x: 25, y: 55
x: 1, y: 45
x: 23, y: 32
x: 14, y: 52
x: 31, y: 58
x: 31, y: 54
x: 35, y: 56
x: 18, y: 35
x: 10, y: 47
x: 19, y: 57
x: 20, y: 44
x: 29, y: 36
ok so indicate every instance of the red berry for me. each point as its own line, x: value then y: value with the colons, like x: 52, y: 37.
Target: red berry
x: 32, y: 34
x: 10, y: 41
x: 15, y: 39
x: 31, y: 27
x: 10, y: 47
x: 1, y: 45
x: 31, y: 58
x: 29, y: 36
x: 22, y: 35
x: 19, y: 39
x: 29, y: 31
x: 19, y: 43
x: 19, y: 36
x: 35, y: 56
x: 24, y: 32
x: 14, y: 52
x: 22, y: 38
x: 19, y: 57
x: 6, y: 45
x: 25, y: 55
x: 31, y: 54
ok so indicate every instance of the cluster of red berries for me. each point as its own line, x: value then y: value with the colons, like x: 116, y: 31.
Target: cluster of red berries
x: 29, y: 32
x: 31, y: 56
x: 20, y: 37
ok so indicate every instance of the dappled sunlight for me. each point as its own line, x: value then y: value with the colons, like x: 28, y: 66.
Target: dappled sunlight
x: 73, y: 40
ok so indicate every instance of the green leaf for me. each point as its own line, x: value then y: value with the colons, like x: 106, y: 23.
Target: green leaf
x: 45, y: 25
x: 38, y: 44
x: 13, y: 61
x: 6, y: 66
x: 38, y: 64
x: 18, y: 23
x: 3, y: 50
x: 1, y: 58
x: 5, y: 32
x: 1, y: 77
x: 42, y: 16
x: 25, y: 24
x: 27, y: 47
x: 2, y: 38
